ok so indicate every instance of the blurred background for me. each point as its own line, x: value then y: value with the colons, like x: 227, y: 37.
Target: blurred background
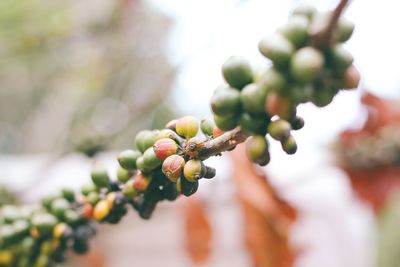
x: 78, y: 79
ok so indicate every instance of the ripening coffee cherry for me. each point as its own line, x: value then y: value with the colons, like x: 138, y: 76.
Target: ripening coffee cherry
x: 150, y: 160
x: 123, y: 175
x: 207, y: 126
x: 110, y: 198
x: 172, y: 167
x: 145, y: 139
x: 187, y: 126
x: 296, y: 30
x: 93, y: 198
x: 60, y: 229
x: 226, y: 123
x: 253, y: 124
x: 128, y: 190
x: 277, y: 48
x: 277, y: 104
x: 194, y: 170
x: 225, y: 101
x: 253, y: 98
x: 127, y: 159
x: 87, y: 211
x: 279, y: 129
x: 273, y: 79
x: 44, y: 223
x: 141, y: 182
x: 304, y: 10
x: 257, y: 150
x: 306, y: 64
x: 339, y: 58
x: 101, y: 210
x: 237, y: 72
x: 100, y: 177
x: 345, y: 29
x: 185, y: 187
x: 289, y: 145
x: 59, y: 206
x: 165, y: 147
x: 217, y: 132
x: 351, y: 78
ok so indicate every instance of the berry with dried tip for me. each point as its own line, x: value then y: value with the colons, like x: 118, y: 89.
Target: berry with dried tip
x: 237, y: 72
x: 279, y: 129
x: 257, y: 150
x: 193, y: 146
x: 173, y: 166
x: 194, y: 170
x: 100, y: 177
x: 127, y: 159
x: 164, y: 148
x: 289, y: 145
x: 187, y: 126
x: 297, y: 123
x: 185, y: 187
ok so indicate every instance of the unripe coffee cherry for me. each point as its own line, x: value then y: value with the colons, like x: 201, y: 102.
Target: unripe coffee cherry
x: 277, y: 104
x: 127, y: 159
x: 101, y: 210
x: 257, y: 150
x: 277, y: 48
x: 187, y: 126
x: 44, y: 223
x: 289, y: 145
x: 68, y: 194
x: 322, y: 98
x: 172, y: 167
x: 93, y: 198
x: 141, y: 166
x: 123, y: 175
x: 194, y: 170
x: 237, y: 72
x: 150, y: 160
x: 253, y: 98
x: 167, y: 133
x: 351, y: 78
x: 304, y: 10
x: 225, y: 101
x: 296, y: 30
x: 345, y: 29
x: 297, y: 123
x: 128, y: 190
x: 145, y: 139
x: 87, y: 188
x: 217, y: 132
x: 273, y: 79
x: 185, y: 187
x: 141, y: 182
x: 226, y: 123
x: 279, y: 129
x: 100, y: 177
x: 59, y: 206
x: 207, y: 126
x: 165, y: 147
x: 306, y: 64
x: 339, y: 58
x: 252, y: 124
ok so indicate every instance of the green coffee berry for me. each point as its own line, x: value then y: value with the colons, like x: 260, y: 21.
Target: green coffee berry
x: 44, y: 223
x: 273, y: 79
x: 253, y: 124
x: 207, y: 126
x: 100, y: 177
x: 92, y: 198
x: 237, y: 72
x: 289, y: 145
x: 322, y: 98
x: 225, y: 101
x: 277, y: 48
x: 187, y: 126
x: 127, y: 159
x: 123, y: 175
x: 257, y: 150
x: 128, y: 190
x: 226, y: 123
x: 150, y: 160
x: 72, y: 217
x: 59, y: 206
x: 339, y: 58
x: 279, y: 129
x: 87, y: 188
x: 306, y: 64
x: 304, y: 10
x: 297, y: 123
x: 253, y: 98
x: 145, y: 139
x: 68, y: 194
x: 167, y: 133
x: 296, y: 30
x: 345, y: 29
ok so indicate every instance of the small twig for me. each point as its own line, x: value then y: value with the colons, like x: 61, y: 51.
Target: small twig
x: 222, y: 143
x: 324, y: 36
